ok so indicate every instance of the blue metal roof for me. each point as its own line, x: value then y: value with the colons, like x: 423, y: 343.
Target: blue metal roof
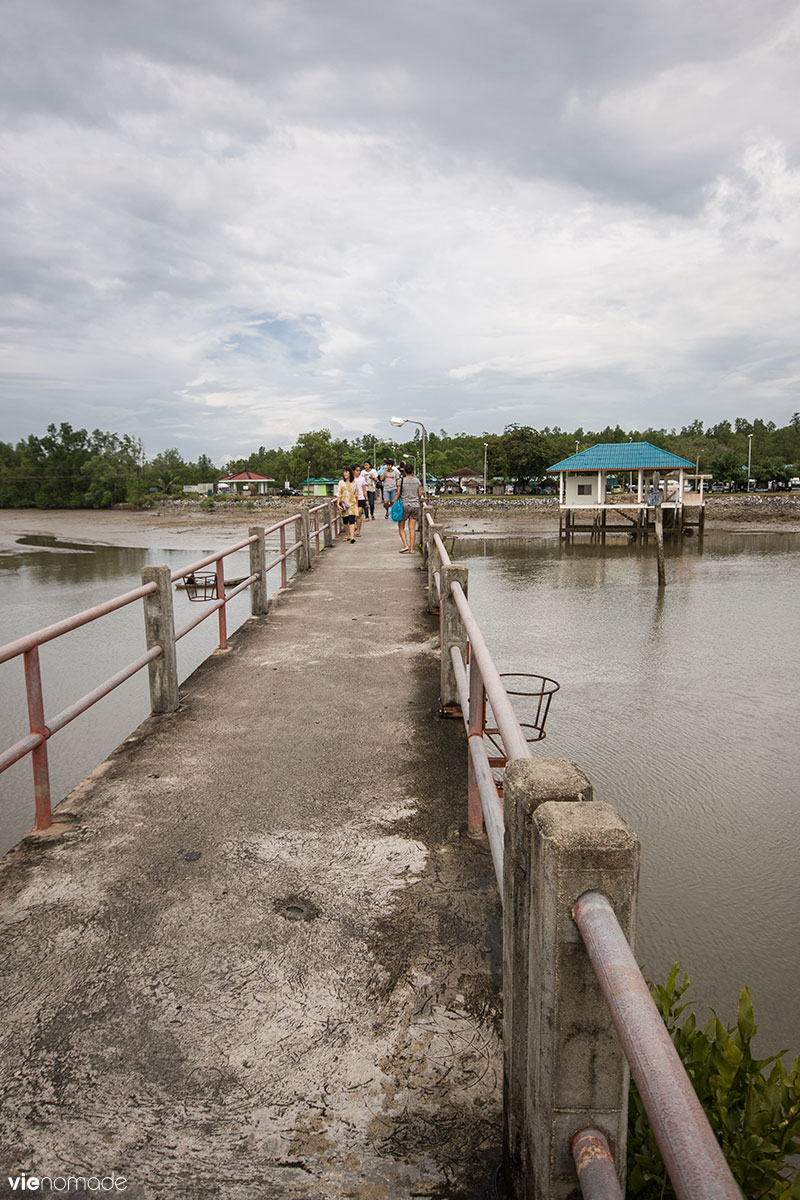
x: 621, y: 456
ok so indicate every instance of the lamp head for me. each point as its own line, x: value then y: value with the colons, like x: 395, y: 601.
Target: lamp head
x: 398, y: 420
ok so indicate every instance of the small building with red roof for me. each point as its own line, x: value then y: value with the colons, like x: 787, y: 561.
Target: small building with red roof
x: 246, y: 483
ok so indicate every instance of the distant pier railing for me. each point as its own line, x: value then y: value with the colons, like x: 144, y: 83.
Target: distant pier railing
x: 319, y: 523
x: 577, y: 1014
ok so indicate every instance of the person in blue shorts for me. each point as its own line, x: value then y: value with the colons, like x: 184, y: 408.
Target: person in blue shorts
x: 391, y: 482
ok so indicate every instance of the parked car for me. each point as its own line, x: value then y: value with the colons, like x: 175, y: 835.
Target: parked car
x: 288, y: 492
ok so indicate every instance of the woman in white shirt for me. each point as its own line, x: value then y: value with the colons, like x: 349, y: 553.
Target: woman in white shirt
x: 370, y: 482
x: 360, y: 484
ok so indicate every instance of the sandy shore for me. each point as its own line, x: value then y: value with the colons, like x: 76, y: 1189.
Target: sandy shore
x: 185, y: 526
x: 166, y: 528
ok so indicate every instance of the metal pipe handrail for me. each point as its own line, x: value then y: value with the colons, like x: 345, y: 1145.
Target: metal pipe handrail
x: 693, y: 1158
x: 691, y: 1153
x: 487, y: 787
x: 41, y: 728
x: 103, y: 689
x: 215, y: 606
x: 444, y: 557
x: 213, y: 558
x: 507, y: 720
x: 20, y: 749
x: 182, y: 572
x: 594, y: 1164
x: 29, y: 640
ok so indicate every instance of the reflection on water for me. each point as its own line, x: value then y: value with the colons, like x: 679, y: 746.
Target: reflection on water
x: 681, y: 706
x: 46, y: 580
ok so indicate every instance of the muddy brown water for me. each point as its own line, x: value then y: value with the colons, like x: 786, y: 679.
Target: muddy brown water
x: 681, y: 707
x: 45, y: 579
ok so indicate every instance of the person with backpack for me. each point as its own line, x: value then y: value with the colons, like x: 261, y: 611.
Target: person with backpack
x: 410, y: 495
x: 391, y: 482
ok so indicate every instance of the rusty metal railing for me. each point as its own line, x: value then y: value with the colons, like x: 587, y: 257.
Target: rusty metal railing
x: 35, y: 743
x: 477, y: 681
x: 691, y: 1153
x: 594, y: 1164
x: 694, y: 1161
x: 42, y: 728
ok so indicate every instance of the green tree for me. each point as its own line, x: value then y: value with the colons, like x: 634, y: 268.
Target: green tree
x: 167, y: 471
x: 525, y: 453
x: 314, y: 454
x: 726, y: 467
x: 111, y: 470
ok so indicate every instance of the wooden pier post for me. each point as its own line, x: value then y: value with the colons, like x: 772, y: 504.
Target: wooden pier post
x: 662, y: 574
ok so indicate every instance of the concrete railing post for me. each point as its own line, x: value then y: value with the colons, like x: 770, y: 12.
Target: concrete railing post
x: 434, y: 565
x: 327, y: 539
x: 304, y: 560
x: 452, y: 633
x: 159, y: 627
x: 527, y: 783
x: 575, y: 1073
x: 426, y: 534
x: 259, y: 604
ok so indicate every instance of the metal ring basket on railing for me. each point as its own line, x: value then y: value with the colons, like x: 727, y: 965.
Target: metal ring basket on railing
x: 201, y: 587
x: 533, y: 695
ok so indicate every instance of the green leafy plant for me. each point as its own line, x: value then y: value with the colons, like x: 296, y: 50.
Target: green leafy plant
x: 753, y: 1105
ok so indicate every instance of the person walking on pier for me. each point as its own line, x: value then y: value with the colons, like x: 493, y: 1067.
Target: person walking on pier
x: 411, y: 495
x: 359, y: 483
x: 347, y: 500
x: 391, y: 482
x: 370, y: 483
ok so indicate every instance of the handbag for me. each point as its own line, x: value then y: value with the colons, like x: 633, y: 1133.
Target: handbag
x: 396, y: 511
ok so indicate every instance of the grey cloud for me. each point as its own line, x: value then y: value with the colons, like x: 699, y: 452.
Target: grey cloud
x: 503, y: 81
x: 239, y: 205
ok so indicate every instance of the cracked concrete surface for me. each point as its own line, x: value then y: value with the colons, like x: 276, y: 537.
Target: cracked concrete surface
x: 261, y: 958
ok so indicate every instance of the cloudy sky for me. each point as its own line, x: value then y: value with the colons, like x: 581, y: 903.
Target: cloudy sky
x: 227, y: 223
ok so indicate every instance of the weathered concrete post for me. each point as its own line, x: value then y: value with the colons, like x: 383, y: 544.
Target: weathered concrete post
x: 576, y: 1074
x: 434, y: 565
x: 327, y: 539
x: 527, y: 783
x: 426, y: 536
x: 159, y: 627
x: 259, y: 604
x: 452, y: 633
x: 304, y: 558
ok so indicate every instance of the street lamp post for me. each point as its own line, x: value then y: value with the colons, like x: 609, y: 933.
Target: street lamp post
x: 749, y: 457
x: 485, y: 465
x: 412, y: 421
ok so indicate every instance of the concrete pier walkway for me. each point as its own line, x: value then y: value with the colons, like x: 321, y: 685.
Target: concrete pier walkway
x: 260, y: 957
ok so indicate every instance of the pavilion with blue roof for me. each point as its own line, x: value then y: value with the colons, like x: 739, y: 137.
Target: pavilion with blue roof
x: 642, y: 476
